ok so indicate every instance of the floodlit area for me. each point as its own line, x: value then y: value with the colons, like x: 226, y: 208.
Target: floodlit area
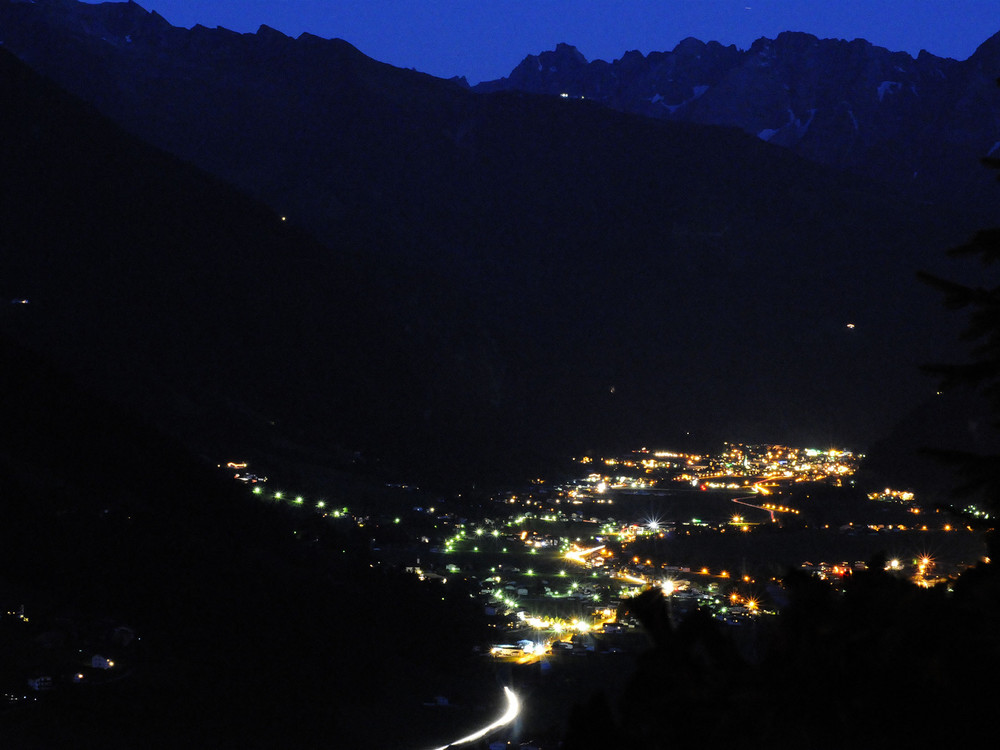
x: 554, y: 566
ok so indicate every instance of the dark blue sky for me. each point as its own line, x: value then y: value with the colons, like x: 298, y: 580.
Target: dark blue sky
x: 485, y: 39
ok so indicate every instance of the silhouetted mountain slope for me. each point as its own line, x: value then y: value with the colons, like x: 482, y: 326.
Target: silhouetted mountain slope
x: 158, y: 283
x: 918, y: 124
x: 246, y: 613
x: 501, y: 277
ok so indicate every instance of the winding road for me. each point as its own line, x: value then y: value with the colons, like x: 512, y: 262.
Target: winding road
x: 513, y: 709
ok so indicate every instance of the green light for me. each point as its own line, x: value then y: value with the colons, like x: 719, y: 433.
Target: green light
x: 396, y: 521
x: 257, y: 490
x: 277, y: 495
x: 298, y: 500
x: 320, y: 504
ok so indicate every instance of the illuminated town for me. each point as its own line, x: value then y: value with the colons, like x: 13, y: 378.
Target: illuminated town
x: 559, y: 567
x: 555, y: 564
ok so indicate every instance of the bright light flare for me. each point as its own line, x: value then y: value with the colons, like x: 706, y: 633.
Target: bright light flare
x: 579, y: 556
x: 513, y: 709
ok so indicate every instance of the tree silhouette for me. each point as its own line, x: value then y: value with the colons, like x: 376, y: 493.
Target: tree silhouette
x: 982, y: 372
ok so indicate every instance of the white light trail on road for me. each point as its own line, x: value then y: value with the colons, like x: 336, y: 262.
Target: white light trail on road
x: 580, y: 556
x: 632, y: 579
x: 513, y: 708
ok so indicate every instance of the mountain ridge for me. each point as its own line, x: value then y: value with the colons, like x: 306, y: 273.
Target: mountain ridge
x: 502, y: 277
x: 850, y: 105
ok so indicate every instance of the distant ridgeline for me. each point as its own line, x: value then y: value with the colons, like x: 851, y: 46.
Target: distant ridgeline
x: 495, y: 278
x: 918, y: 124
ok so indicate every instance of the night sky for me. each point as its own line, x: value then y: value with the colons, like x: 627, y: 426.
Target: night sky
x: 486, y: 39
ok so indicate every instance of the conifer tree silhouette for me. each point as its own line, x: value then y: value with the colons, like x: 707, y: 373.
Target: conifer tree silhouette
x: 982, y: 372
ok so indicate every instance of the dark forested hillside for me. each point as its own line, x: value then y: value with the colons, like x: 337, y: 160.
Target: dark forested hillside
x: 242, y: 618
x: 152, y: 280
x: 495, y: 279
x: 215, y: 246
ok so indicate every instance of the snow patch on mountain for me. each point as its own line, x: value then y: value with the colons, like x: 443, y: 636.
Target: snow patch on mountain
x: 697, y: 91
x: 794, y: 125
x: 846, y: 81
x: 804, y: 128
x: 888, y: 87
x: 854, y: 120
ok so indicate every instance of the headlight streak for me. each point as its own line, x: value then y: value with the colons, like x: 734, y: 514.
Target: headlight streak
x: 513, y: 709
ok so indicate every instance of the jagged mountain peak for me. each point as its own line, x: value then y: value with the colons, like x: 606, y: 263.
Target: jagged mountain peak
x: 267, y: 32
x: 801, y: 38
x: 794, y: 42
x: 110, y: 11
x: 505, y: 232
x: 564, y: 49
x: 987, y: 55
x: 689, y: 45
x: 563, y: 58
x: 119, y: 24
x: 844, y: 103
